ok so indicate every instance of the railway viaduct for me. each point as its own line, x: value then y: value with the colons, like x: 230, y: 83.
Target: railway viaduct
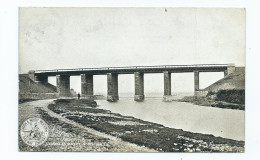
x: 63, y: 77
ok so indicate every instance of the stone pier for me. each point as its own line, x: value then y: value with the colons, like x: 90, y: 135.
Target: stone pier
x: 87, y: 85
x: 167, y: 86
x: 112, y: 87
x: 225, y: 73
x: 167, y: 83
x: 196, y: 81
x: 63, y: 85
x: 139, y: 86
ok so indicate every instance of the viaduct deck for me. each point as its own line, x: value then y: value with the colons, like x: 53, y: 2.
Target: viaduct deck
x: 132, y: 69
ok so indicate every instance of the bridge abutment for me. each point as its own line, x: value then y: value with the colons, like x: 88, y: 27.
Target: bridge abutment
x: 139, y: 86
x: 196, y: 82
x: 87, y: 85
x: 63, y: 85
x: 31, y: 74
x: 112, y: 87
x: 230, y: 69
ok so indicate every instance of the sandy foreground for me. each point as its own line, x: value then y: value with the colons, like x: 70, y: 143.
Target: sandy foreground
x: 68, y: 136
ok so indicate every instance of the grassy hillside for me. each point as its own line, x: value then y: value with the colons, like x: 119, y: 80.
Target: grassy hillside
x: 228, y: 92
x: 26, y: 85
x: 236, y: 80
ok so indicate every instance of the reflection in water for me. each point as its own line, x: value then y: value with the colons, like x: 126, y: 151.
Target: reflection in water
x: 225, y: 123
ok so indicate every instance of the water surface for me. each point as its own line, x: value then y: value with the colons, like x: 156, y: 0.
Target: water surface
x: 225, y: 123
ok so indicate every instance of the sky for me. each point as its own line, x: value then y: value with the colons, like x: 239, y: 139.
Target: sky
x: 59, y: 38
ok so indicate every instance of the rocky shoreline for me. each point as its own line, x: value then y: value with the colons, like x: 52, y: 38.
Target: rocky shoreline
x: 208, y: 102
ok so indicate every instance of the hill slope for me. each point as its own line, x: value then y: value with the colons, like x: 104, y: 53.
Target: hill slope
x: 236, y: 80
x: 26, y: 85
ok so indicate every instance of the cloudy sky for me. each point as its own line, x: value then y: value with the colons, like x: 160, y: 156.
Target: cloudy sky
x: 53, y: 38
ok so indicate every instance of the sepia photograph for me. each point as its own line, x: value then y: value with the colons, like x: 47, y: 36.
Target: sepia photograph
x: 128, y: 79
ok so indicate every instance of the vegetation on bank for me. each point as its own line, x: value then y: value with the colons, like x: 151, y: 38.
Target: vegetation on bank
x: 25, y: 100
x: 236, y: 96
x: 228, y: 99
x: 141, y: 132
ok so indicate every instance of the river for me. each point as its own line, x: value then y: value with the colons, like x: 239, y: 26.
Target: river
x: 225, y: 123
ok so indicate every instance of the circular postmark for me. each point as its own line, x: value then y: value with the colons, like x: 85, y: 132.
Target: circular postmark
x: 34, y: 132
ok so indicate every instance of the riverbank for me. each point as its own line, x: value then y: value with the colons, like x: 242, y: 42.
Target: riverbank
x: 140, y: 132
x: 211, y: 100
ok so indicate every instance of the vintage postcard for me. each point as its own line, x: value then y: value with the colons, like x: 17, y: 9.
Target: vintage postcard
x: 131, y: 79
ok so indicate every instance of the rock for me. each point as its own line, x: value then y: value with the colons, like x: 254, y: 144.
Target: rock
x: 198, y: 150
x: 191, y: 145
